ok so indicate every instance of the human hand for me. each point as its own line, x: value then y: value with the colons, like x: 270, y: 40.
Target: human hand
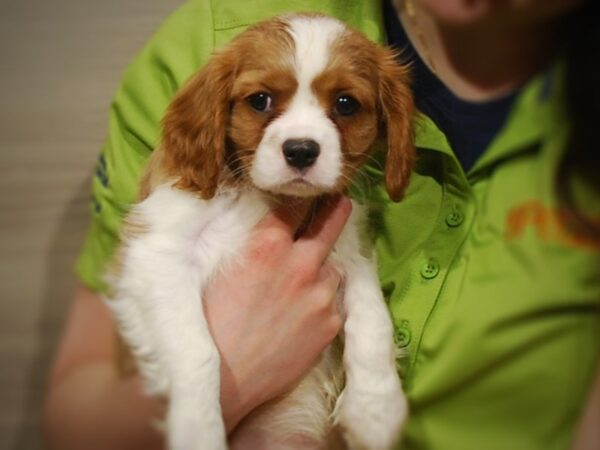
x: 273, y: 314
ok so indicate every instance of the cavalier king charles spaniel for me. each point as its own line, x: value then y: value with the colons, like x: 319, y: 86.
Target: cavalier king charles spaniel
x: 291, y: 108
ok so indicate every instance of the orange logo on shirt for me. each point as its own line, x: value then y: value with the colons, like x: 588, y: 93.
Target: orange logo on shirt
x: 550, y: 224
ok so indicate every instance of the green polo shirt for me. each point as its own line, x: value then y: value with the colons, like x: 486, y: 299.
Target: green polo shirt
x: 495, y: 301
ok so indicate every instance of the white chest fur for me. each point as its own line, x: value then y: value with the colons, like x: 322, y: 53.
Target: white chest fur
x: 180, y: 243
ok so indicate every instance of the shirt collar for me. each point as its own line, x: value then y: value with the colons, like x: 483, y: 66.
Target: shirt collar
x: 537, y: 111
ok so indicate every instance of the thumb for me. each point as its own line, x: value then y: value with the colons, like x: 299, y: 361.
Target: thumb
x: 286, y: 218
x: 322, y: 233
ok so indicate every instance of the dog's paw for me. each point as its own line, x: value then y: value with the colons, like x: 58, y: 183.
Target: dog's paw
x: 191, y: 428
x: 371, y: 420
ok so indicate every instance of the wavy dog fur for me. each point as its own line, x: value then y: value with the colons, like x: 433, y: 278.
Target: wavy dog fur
x: 292, y: 107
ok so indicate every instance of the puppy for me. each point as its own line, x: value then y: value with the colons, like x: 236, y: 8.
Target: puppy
x: 291, y: 108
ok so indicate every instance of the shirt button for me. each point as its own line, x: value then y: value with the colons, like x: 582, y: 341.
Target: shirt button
x: 403, y: 337
x: 455, y: 218
x: 430, y: 269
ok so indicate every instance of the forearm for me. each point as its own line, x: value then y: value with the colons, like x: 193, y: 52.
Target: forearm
x: 88, y: 404
x: 588, y: 433
x: 93, y: 408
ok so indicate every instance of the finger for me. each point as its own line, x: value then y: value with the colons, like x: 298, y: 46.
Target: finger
x: 333, y: 281
x: 316, y: 242
x: 287, y: 217
x: 329, y: 276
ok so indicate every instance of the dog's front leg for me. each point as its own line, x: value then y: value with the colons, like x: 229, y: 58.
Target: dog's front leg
x: 372, y: 407
x: 190, y: 359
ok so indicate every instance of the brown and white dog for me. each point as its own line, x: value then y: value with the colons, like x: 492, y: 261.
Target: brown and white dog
x: 292, y: 107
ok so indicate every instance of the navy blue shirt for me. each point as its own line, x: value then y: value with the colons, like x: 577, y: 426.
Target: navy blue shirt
x: 468, y: 126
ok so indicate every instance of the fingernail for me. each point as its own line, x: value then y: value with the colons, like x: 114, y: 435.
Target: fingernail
x: 345, y: 203
x: 334, y: 200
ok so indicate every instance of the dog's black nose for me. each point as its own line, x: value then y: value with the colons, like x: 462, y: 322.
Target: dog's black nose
x: 300, y: 153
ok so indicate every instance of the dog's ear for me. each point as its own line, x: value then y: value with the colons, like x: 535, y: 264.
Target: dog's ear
x: 397, y: 110
x: 195, y: 127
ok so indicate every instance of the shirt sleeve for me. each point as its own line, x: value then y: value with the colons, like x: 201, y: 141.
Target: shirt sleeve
x: 177, y: 50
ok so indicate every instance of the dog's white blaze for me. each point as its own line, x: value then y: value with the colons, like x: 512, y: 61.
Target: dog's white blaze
x: 305, y: 117
x: 313, y: 37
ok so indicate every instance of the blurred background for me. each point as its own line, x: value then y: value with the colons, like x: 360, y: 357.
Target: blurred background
x: 60, y: 63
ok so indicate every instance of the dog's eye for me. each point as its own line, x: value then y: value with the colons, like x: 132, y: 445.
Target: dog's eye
x: 346, y: 105
x: 261, y: 102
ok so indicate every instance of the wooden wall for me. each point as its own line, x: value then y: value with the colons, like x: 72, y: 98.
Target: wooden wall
x: 60, y: 63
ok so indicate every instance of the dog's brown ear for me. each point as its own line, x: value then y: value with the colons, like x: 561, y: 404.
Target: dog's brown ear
x: 195, y: 126
x: 397, y: 107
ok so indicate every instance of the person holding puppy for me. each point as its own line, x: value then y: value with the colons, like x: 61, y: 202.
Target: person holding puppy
x: 489, y: 265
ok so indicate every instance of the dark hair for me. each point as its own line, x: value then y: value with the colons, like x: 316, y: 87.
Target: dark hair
x: 582, y: 155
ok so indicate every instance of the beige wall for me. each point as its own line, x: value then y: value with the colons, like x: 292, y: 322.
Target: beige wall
x: 60, y: 62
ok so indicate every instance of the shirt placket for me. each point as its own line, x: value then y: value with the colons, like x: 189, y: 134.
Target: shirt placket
x: 429, y: 268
